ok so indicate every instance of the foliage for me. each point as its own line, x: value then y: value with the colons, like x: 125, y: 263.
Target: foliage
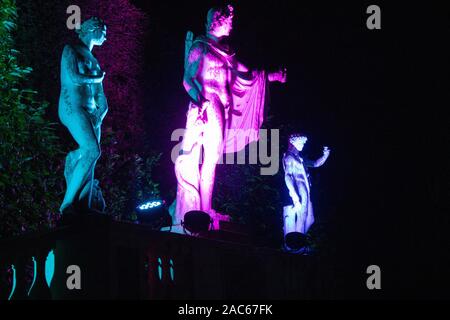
x: 251, y: 198
x: 30, y: 176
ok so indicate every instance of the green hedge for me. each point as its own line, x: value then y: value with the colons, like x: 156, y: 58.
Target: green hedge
x: 31, y: 180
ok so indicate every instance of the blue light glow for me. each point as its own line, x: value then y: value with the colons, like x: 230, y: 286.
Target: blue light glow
x: 150, y: 205
x: 13, y: 282
x: 34, y: 275
x: 49, y: 267
x: 160, y: 268
x: 172, y: 270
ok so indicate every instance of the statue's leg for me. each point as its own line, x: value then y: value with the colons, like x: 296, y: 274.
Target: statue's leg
x: 187, y: 173
x: 187, y: 168
x: 82, y: 131
x: 86, y: 189
x: 86, y: 192
x: 289, y: 215
x: 213, y: 149
x: 71, y: 160
x: 301, y: 218
x: 309, y: 216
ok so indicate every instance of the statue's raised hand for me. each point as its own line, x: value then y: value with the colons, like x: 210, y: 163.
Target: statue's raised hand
x: 326, y: 151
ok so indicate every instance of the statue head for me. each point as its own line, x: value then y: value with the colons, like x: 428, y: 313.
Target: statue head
x: 93, y: 30
x: 219, y: 21
x: 298, y: 140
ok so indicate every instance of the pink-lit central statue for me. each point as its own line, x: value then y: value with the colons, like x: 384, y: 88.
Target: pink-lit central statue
x: 225, y: 112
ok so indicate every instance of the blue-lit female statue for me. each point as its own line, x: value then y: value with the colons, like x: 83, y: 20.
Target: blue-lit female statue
x: 82, y: 107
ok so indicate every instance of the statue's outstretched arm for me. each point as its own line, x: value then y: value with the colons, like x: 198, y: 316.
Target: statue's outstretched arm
x: 69, y: 63
x: 279, y: 76
x: 322, y: 159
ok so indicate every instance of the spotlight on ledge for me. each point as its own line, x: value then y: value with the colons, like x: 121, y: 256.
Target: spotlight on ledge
x: 150, y: 205
x: 196, y: 221
x: 154, y: 214
x: 295, y: 241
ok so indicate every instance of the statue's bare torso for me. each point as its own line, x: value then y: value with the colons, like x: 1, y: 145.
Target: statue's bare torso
x: 81, y: 97
x: 213, y: 73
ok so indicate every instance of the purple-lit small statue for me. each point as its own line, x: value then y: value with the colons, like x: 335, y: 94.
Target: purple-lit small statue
x: 225, y: 112
x: 299, y: 217
x: 82, y: 107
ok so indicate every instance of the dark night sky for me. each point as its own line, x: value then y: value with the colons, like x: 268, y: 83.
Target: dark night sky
x: 355, y: 90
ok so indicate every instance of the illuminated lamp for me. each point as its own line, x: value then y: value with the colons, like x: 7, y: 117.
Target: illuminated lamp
x: 154, y: 213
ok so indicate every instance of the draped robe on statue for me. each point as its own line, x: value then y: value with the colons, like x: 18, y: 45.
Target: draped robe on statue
x: 296, y: 219
x: 242, y: 124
